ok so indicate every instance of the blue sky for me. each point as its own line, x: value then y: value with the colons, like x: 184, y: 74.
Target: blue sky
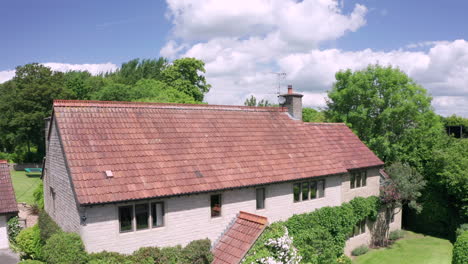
x: 415, y: 36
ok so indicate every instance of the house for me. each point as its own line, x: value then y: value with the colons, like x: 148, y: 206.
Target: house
x: 125, y: 175
x: 8, y: 206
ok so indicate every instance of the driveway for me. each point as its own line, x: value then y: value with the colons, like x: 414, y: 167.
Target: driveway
x: 8, y: 257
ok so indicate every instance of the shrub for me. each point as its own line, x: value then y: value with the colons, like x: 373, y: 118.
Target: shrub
x: 343, y: 259
x: 259, y: 250
x: 14, y: 229
x: 31, y: 261
x: 460, y: 249
x: 197, y: 252
x: 461, y: 229
x: 397, y: 234
x: 65, y: 248
x: 147, y: 253
x: 38, y: 195
x: 171, y: 255
x: 105, y: 257
x: 47, y: 226
x: 361, y: 250
x: 29, y: 243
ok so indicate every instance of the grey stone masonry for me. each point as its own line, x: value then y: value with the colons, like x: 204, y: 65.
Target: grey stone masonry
x: 293, y: 103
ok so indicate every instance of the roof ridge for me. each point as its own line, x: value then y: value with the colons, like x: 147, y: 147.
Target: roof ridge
x: 324, y: 124
x: 3, y: 161
x: 253, y: 217
x: 126, y: 104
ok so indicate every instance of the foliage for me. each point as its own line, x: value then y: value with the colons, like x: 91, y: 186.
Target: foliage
x: 312, y: 115
x: 282, y: 251
x: 361, y: 250
x: 396, y: 234
x: 388, y: 111
x: 145, y: 253
x: 259, y: 250
x: 30, y: 261
x: 460, y: 249
x: 197, y: 252
x: 39, y: 195
x: 319, y: 236
x: 134, y: 70
x: 65, y: 248
x: 171, y: 255
x: 14, y: 228
x: 252, y: 101
x: 29, y: 243
x: 343, y: 259
x: 462, y: 229
x: 47, y: 226
x: 105, y: 257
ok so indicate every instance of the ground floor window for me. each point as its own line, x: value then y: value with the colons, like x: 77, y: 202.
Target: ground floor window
x: 307, y: 190
x: 260, y: 197
x: 215, y: 204
x: 359, y: 228
x: 141, y: 216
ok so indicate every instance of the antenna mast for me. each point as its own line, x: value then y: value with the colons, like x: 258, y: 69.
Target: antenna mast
x: 280, y: 76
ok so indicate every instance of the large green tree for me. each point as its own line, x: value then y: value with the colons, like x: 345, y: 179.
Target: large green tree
x: 26, y: 100
x: 134, y: 70
x: 390, y: 112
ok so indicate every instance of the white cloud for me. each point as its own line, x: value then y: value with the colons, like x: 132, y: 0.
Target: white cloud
x: 65, y: 67
x: 243, y: 43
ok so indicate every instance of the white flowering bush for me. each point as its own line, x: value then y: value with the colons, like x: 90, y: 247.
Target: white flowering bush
x: 282, y: 249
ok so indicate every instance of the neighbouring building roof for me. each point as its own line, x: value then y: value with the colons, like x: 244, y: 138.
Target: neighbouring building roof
x: 7, y: 195
x: 239, y: 238
x: 156, y: 150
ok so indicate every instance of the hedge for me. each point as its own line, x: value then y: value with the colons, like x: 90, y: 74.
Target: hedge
x: 460, y: 249
x: 47, y: 226
x: 65, y: 248
x: 29, y: 243
x: 31, y: 261
x: 320, y: 236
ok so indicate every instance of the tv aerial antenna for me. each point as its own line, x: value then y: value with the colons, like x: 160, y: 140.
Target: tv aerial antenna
x: 279, y: 77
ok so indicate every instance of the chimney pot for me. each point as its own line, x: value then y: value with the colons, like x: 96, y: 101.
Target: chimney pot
x: 290, y: 90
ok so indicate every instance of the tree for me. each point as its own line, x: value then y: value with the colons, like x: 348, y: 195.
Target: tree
x: 78, y: 84
x: 186, y: 75
x: 402, y: 187
x: 26, y: 100
x: 388, y: 111
x: 252, y: 101
x: 134, y: 70
x: 312, y: 115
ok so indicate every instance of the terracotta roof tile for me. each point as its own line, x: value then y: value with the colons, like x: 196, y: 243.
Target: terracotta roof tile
x: 239, y: 238
x: 7, y: 195
x: 156, y: 150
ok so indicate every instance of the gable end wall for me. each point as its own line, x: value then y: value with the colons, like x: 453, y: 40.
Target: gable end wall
x: 66, y: 212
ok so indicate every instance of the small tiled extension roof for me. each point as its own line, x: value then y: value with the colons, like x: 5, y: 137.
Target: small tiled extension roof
x: 239, y: 238
x: 7, y: 195
x: 157, y: 150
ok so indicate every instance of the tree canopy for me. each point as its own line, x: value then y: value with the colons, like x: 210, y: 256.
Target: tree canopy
x: 252, y: 101
x: 390, y: 112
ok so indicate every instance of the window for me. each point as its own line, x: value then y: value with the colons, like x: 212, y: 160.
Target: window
x: 125, y: 218
x: 308, y: 190
x: 297, y: 192
x: 215, y: 205
x: 52, y: 194
x: 260, y: 195
x: 359, y: 228
x: 157, y: 214
x: 305, y: 191
x: 358, y: 179
x: 142, y: 216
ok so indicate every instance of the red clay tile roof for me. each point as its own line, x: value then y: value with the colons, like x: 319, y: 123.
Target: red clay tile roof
x: 239, y: 238
x: 156, y: 150
x: 7, y: 195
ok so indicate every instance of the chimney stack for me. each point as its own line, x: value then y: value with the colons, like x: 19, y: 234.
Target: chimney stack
x: 293, y: 101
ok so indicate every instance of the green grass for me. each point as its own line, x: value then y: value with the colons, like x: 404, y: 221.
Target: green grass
x: 24, y: 186
x: 413, y: 249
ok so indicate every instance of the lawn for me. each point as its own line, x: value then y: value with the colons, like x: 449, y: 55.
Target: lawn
x: 24, y: 186
x: 413, y: 249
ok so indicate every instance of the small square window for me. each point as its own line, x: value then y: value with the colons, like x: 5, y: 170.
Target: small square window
x: 215, y: 205
x: 157, y: 214
x: 297, y: 192
x: 260, y: 196
x: 125, y: 218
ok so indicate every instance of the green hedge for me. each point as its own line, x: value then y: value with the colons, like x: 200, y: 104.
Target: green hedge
x: 319, y: 236
x: 460, y: 249
x: 29, y: 243
x: 65, y: 248
x: 31, y: 261
x: 47, y: 226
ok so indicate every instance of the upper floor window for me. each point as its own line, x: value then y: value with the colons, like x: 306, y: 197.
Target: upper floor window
x: 307, y: 190
x: 260, y: 197
x: 358, y: 179
x: 141, y: 216
x: 215, y: 203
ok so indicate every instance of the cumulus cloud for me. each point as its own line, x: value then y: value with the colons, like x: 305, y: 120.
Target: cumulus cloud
x: 244, y: 42
x: 65, y: 67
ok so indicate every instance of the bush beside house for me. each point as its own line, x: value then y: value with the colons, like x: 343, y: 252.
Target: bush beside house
x: 460, y: 249
x: 319, y: 236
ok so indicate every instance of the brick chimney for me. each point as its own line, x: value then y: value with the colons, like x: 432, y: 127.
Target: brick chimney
x: 293, y: 101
